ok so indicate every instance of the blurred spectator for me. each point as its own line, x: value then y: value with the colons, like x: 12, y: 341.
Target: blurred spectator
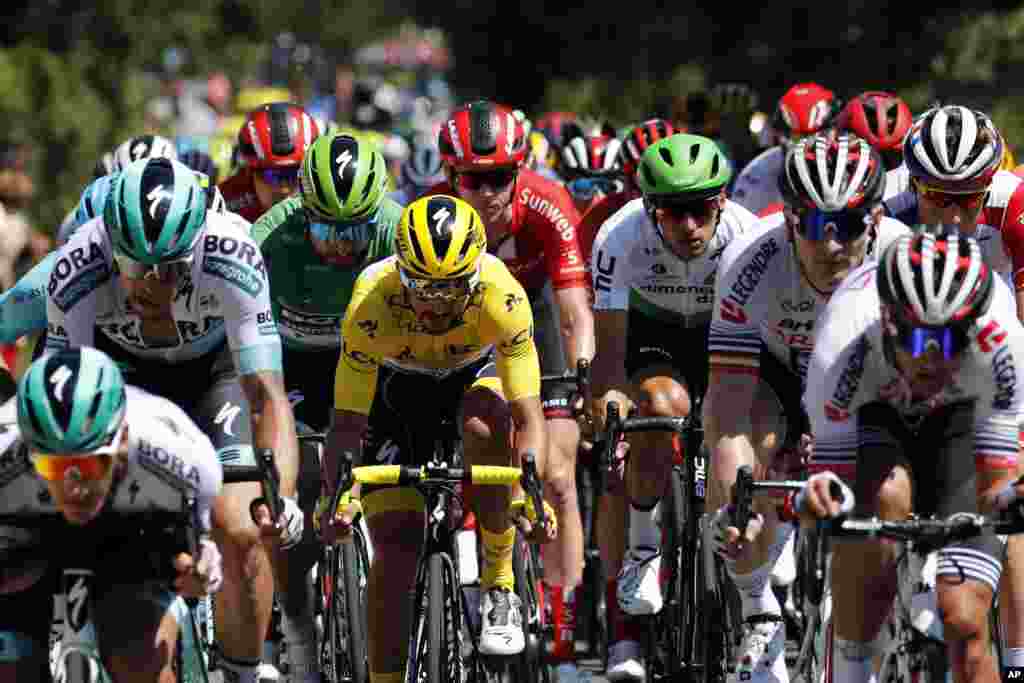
x: 21, y: 245
x: 202, y: 105
x: 336, y: 105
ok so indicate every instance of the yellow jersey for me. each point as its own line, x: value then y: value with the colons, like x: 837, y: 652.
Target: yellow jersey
x: 380, y: 327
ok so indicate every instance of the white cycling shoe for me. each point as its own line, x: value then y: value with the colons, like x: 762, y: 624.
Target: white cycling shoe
x: 625, y: 662
x: 639, y: 587
x: 763, y: 646
x: 502, y: 619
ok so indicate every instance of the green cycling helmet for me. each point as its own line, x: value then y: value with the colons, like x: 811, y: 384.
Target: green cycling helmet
x: 683, y: 166
x: 344, y: 178
x: 155, y: 210
x: 72, y: 401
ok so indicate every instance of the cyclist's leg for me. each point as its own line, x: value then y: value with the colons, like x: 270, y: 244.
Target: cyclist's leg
x: 864, y: 572
x: 137, y: 626
x: 1011, y: 592
x: 394, y: 518
x: 26, y: 610
x: 968, y: 572
x: 312, y: 399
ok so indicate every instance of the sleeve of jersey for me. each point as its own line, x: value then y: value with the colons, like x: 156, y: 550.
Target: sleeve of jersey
x: 244, y: 291
x: 562, y: 251
x: 834, y: 380
x: 23, y: 306
x: 608, y: 267
x: 997, y: 426
x: 1013, y: 236
x: 355, y: 379
x: 734, y: 342
x: 508, y: 324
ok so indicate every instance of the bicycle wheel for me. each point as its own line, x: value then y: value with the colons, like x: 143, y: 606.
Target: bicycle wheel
x: 354, y: 569
x: 529, y: 664
x: 435, y: 653
x: 722, y: 617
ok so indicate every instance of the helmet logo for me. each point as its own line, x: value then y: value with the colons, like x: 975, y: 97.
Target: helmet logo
x: 156, y: 195
x: 510, y: 132
x: 453, y: 130
x: 58, y: 379
x: 439, y: 217
x: 139, y: 150
x: 343, y: 160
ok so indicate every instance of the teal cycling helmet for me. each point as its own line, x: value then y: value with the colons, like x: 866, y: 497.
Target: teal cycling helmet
x: 155, y: 210
x: 72, y: 401
x: 683, y: 167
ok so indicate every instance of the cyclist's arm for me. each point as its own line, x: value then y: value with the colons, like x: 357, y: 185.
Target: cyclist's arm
x: 273, y: 423
x: 727, y: 428
x: 577, y: 323
x: 345, y: 434
x: 23, y: 306
x: 609, y: 366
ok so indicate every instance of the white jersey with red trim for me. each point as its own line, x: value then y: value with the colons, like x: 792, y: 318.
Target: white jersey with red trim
x: 633, y: 269
x: 762, y: 297
x: 896, y: 181
x: 850, y: 368
x: 757, y: 185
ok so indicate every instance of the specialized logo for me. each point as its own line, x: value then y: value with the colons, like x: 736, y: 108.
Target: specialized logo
x: 76, y: 609
x: 139, y: 150
x: 157, y: 195
x: 226, y: 416
x: 439, y: 218
x: 59, y: 380
x: 343, y: 160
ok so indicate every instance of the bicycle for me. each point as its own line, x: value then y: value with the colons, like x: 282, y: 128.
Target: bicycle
x: 675, y: 633
x: 441, y: 612
x: 916, y: 651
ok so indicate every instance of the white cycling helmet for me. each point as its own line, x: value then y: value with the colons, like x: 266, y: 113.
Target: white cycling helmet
x: 953, y: 148
x: 143, y: 147
x: 832, y: 173
x: 423, y: 167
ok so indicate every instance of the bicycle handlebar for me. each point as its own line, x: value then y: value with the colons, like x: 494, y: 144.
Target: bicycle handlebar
x: 745, y: 488
x: 487, y: 475
x: 266, y: 473
x: 924, y: 534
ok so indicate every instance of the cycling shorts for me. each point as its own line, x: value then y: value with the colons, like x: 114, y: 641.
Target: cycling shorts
x: 556, y: 397
x: 940, y: 453
x: 309, y: 381
x: 789, y: 390
x: 650, y: 341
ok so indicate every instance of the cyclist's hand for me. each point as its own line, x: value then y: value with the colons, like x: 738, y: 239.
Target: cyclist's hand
x: 335, y: 526
x: 1010, y: 498
x: 726, y: 540
x: 824, y: 497
x: 524, y: 516
x: 288, y: 529
x: 198, y: 578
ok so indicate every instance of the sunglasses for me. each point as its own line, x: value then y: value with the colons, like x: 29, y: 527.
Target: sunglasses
x: 276, y: 177
x: 842, y: 226
x: 496, y: 180
x: 586, y: 188
x: 334, y: 231
x: 701, y: 209
x: 968, y: 201
x: 79, y: 467
x: 919, y: 340
x: 165, y: 273
x: 438, y: 291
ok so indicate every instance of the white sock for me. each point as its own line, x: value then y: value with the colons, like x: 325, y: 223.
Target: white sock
x: 1013, y: 656
x: 853, y: 661
x: 643, y: 529
x: 756, y: 596
x: 236, y: 671
x: 784, y: 571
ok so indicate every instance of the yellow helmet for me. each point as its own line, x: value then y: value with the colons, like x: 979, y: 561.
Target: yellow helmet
x: 1008, y: 163
x: 439, y: 238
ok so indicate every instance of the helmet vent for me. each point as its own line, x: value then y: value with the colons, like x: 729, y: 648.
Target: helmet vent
x: 666, y: 156
x: 716, y: 163
x: 281, y: 141
x: 694, y: 153
x: 483, y: 128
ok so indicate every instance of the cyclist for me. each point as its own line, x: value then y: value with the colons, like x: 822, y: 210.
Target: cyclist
x: 443, y: 321
x: 654, y: 273
x: 314, y: 245
x: 92, y: 455
x: 141, y: 147
x: 912, y: 392
x: 592, y: 169
x: 531, y: 225
x: 805, y: 109
x: 882, y: 119
x: 968, y: 190
x: 421, y: 171
x: 770, y: 290
x: 271, y: 143
x: 178, y: 296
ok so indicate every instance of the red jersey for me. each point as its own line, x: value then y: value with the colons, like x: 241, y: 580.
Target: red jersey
x: 595, y: 217
x: 542, y: 242
x: 240, y: 195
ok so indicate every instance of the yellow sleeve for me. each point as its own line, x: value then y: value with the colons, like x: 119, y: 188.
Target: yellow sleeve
x: 508, y: 324
x: 355, y: 380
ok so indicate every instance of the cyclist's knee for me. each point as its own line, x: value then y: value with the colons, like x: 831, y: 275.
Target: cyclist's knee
x: 233, y: 528
x: 964, y: 609
x: 486, y: 420
x: 138, y: 633
x: 662, y: 396
x: 894, y: 497
x: 395, y: 537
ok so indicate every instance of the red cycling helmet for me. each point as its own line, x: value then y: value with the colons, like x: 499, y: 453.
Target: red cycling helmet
x: 639, y: 139
x: 596, y: 155
x: 805, y: 109
x: 552, y: 124
x: 881, y: 118
x: 275, y: 135
x: 482, y: 135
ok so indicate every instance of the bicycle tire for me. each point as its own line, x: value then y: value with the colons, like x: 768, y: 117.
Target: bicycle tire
x: 721, y: 621
x: 354, y: 569
x: 431, y: 628
x: 530, y: 664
